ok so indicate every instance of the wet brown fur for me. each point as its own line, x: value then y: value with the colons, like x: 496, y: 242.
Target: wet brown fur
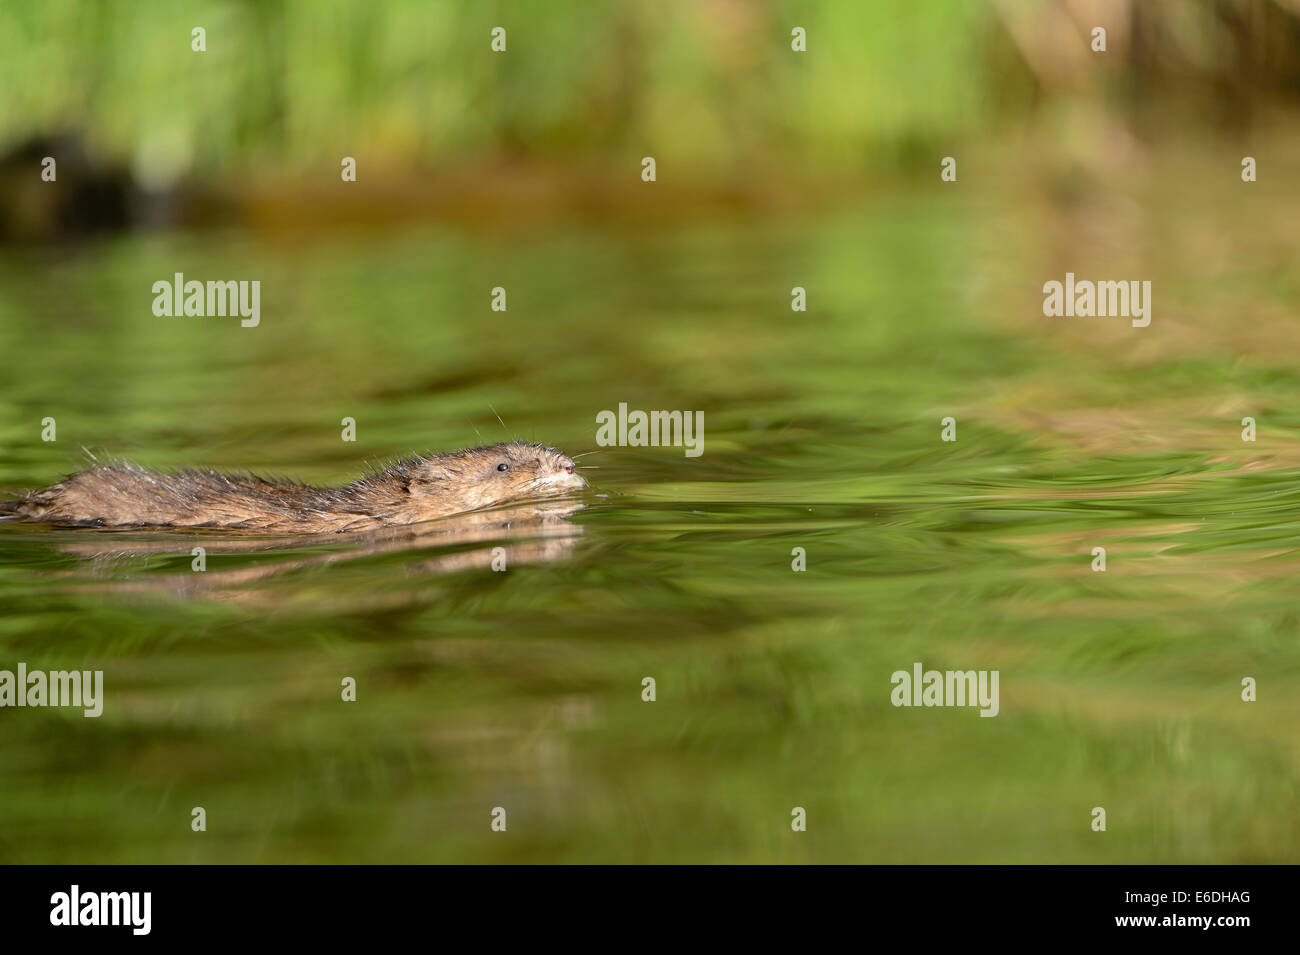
x: 406, y: 492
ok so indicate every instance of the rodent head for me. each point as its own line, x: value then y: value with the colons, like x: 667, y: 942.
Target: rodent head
x: 481, y: 477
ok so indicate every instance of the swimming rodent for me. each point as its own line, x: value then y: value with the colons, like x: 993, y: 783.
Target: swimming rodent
x: 406, y: 492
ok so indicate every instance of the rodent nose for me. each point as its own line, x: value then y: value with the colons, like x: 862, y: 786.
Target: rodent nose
x: 568, y: 468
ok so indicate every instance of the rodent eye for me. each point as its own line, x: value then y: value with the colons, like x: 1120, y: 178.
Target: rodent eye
x: 503, y: 467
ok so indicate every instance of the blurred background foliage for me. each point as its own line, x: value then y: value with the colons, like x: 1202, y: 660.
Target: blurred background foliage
x: 709, y: 87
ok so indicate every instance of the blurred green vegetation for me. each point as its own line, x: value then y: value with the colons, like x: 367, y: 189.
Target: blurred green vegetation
x: 290, y: 85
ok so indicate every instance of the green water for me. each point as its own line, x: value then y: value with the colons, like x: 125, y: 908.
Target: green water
x: 522, y: 689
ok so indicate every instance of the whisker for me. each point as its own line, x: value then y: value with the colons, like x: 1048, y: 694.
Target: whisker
x: 584, y: 454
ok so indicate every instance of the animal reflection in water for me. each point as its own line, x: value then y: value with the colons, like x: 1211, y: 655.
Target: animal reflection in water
x: 501, y: 538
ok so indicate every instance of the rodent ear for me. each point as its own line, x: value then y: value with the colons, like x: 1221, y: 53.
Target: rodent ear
x: 429, y: 475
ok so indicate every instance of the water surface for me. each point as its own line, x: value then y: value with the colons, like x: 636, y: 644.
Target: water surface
x: 522, y: 689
